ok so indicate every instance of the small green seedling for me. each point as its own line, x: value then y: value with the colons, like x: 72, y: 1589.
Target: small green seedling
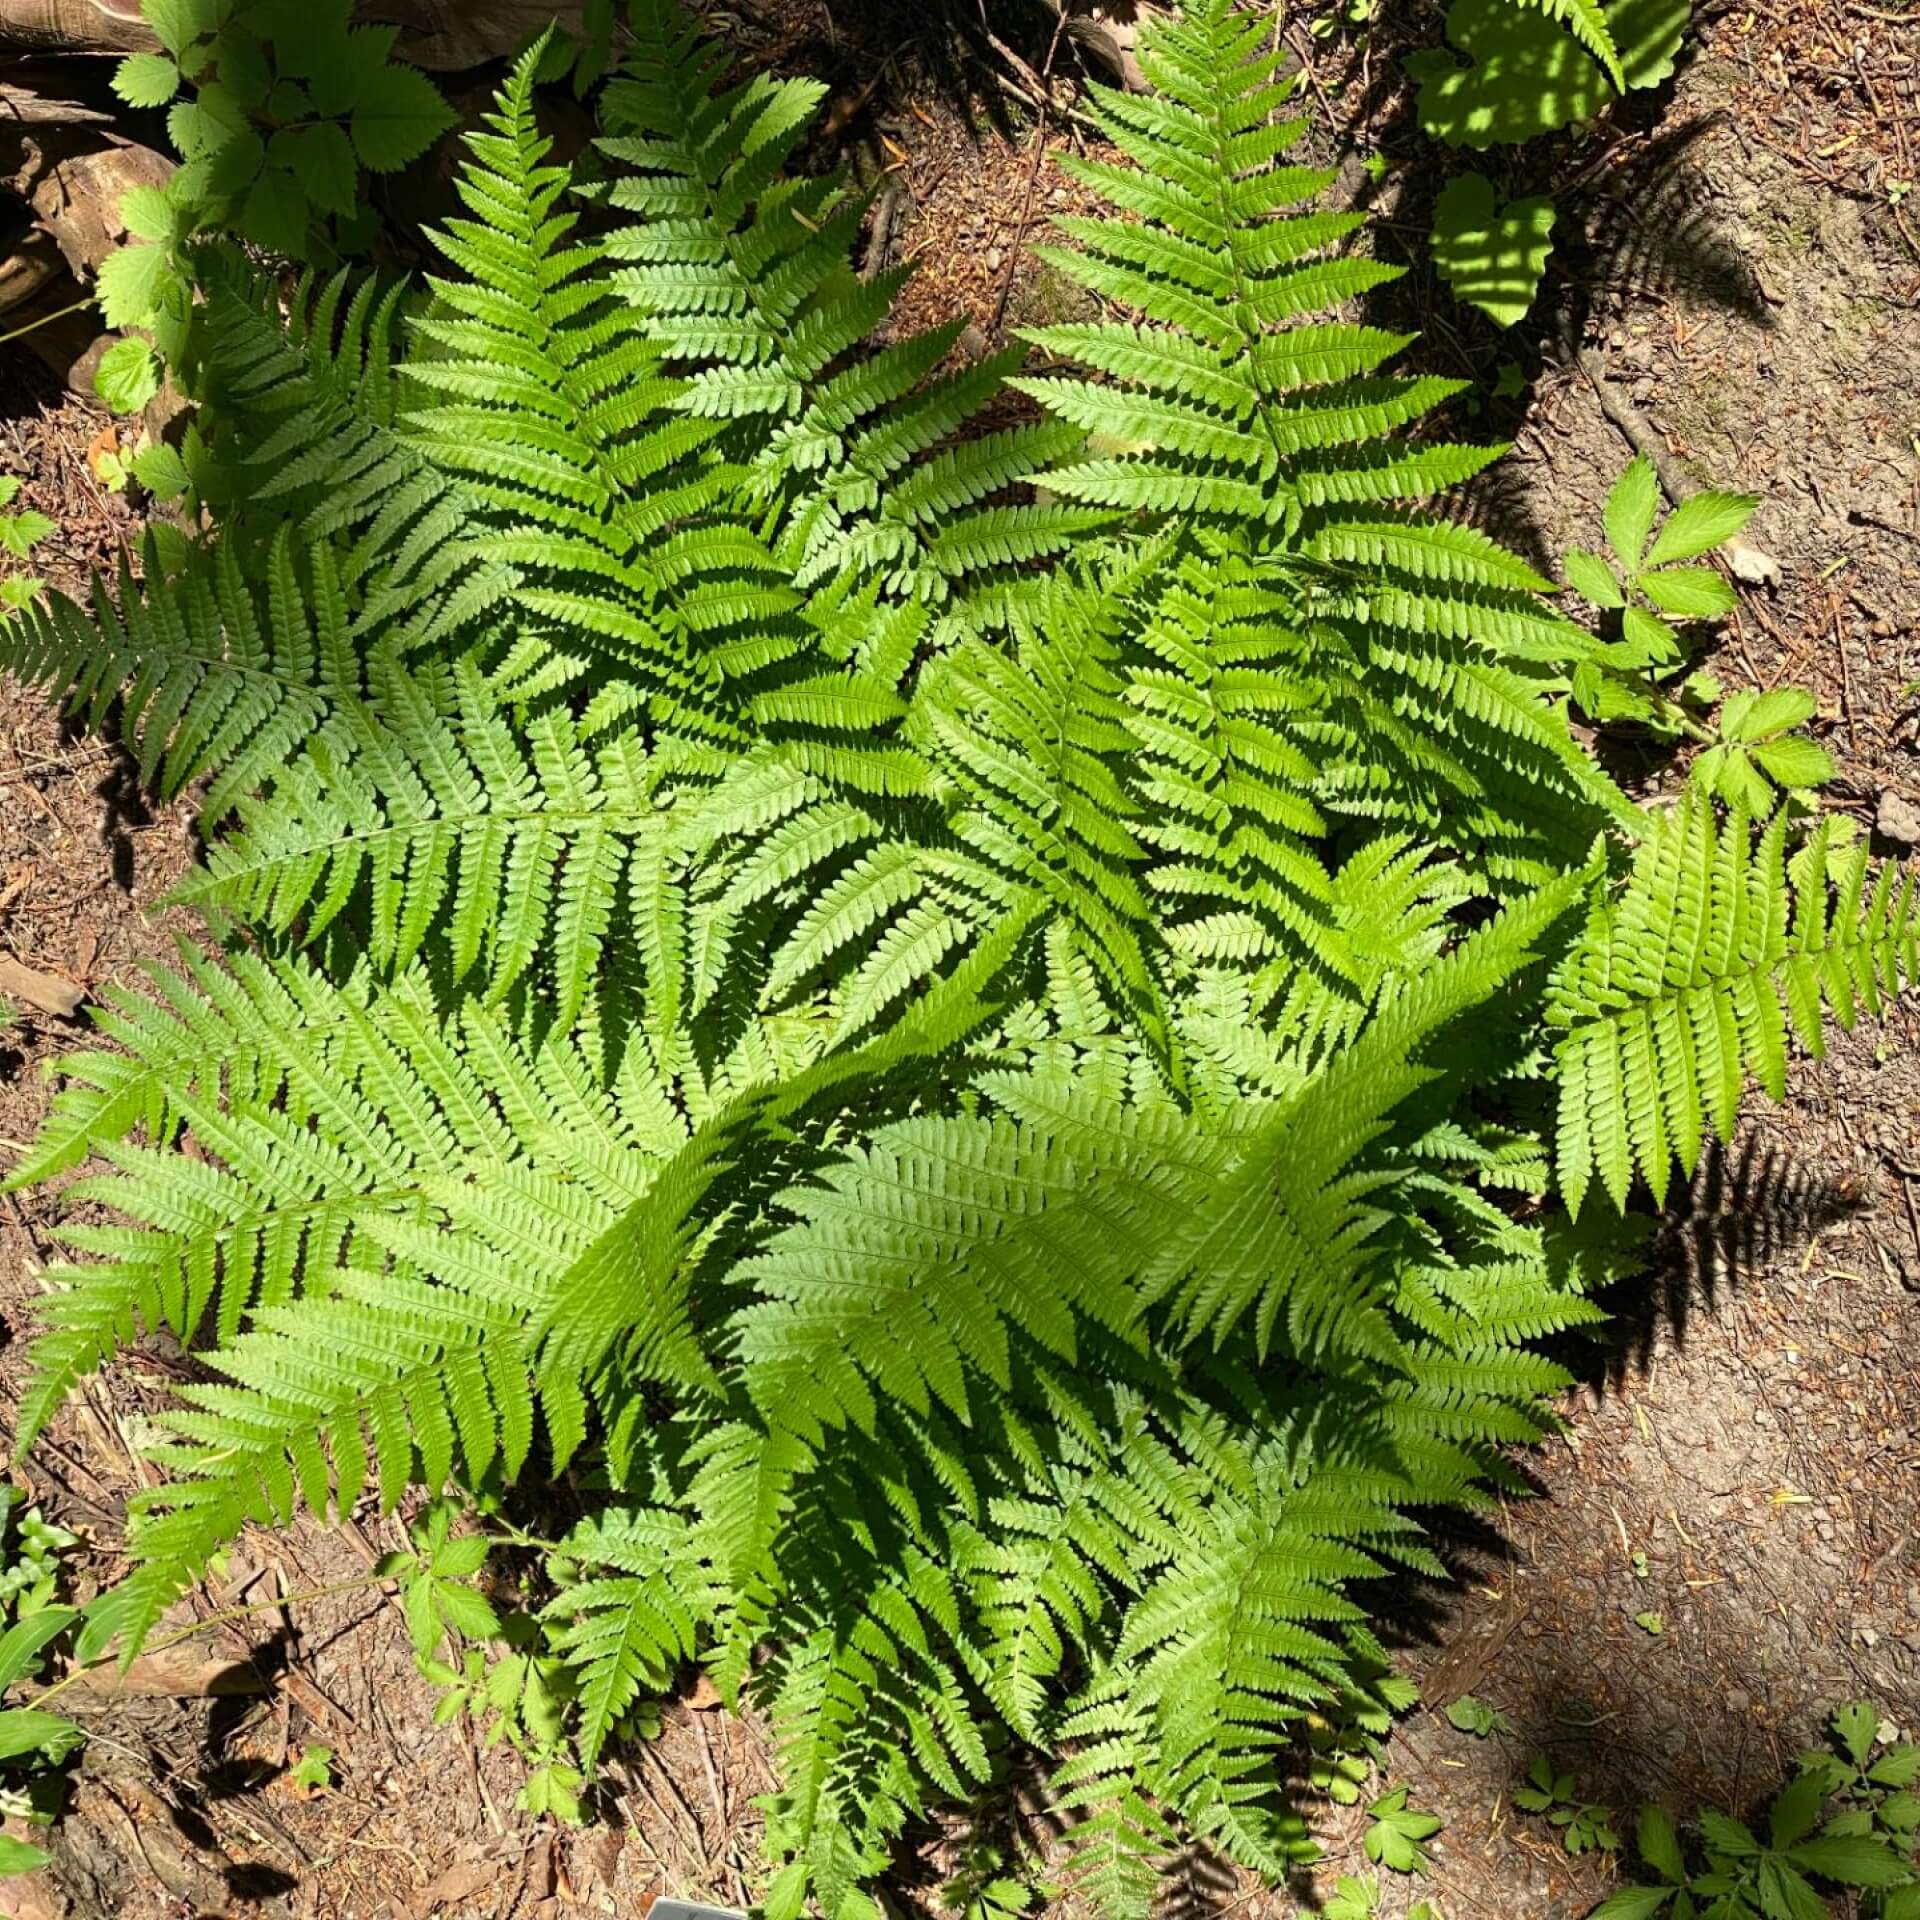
x: 984, y: 1889
x: 1585, y: 1826
x: 1357, y: 1897
x: 313, y: 1771
x: 1651, y: 1622
x: 1394, y: 1840
x: 20, y: 533
x: 1477, y: 1718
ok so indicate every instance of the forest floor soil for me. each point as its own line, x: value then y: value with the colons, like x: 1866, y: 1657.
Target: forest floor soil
x: 1742, y: 1458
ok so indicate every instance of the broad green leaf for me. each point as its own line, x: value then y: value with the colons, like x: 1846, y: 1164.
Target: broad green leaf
x: 1852, y: 1862
x: 323, y: 162
x: 1753, y: 716
x: 28, y: 1730
x: 21, y: 532
x: 274, y: 214
x: 1492, y: 256
x: 1659, y: 1845
x: 1855, y: 1724
x: 128, y: 375
x: 1794, y: 763
x: 1689, y: 593
x: 1631, y: 506
x: 131, y: 282
x: 1728, y: 1836
x: 1699, y: 524
x: 181, y: 22
x: 147, y: 79
x: 160, y: 469
x: 1632, y: 1903
x: 26, y: 1639
x: 397, y: 116
x: 1795, y: 1810
x: 18, y: 1856
x: 148, y: 213
x: 243, y: 67
x: 1590, y: 577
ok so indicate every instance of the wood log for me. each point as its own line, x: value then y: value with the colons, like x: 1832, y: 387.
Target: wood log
x: 76, y: 26
x: 22, y: 104
x: 73, y: 178
x: 31, y: 267
x: 443, y: 35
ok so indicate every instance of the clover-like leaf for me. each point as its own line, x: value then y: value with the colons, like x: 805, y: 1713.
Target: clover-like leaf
x: 1525, y: 75
x: 1492, y: 256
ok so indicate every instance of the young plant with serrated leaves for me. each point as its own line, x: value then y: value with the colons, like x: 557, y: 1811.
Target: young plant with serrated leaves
x: 1753, y: 747
x: 34, y: 1744
x: 278, y: 109
x: 950, y: 1017
x: 1474, y: 1716
x: 1585, y: 1826
x: 20, y: 532
x: 487, y: 1666
x: 1783, y: 1871
x: 986, y: 1888
x: 1872, y: 1776
x: 1397, y: 1837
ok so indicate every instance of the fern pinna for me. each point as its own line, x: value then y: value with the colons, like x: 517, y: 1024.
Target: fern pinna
x: 963, y: 1011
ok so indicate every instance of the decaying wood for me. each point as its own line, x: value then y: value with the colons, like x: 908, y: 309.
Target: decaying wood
x: 1107, y: 32
x: 25, y: 105
x: 444, y: 35
x: 173, y: 1673
x: 31, y: 267
x: 73, y: 179
x: 76, y: 26
x: 46, y: 991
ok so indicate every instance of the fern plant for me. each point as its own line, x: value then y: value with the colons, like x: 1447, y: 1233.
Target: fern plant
x: 961, y: 1015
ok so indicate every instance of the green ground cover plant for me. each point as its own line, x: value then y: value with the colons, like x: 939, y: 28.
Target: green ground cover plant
x: 1001, y: 1038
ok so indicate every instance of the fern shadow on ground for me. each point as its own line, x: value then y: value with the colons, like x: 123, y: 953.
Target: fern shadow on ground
x: 1746, y: 1210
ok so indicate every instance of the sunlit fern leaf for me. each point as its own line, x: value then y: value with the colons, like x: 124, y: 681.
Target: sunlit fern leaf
x: 1717, y: 956
x: 206, y: 673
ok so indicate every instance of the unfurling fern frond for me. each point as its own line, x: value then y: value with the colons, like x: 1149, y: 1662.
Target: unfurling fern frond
x: 1721, y: 951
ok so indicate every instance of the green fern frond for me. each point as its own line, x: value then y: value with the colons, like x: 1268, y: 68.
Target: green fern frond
x: 1717, y: 956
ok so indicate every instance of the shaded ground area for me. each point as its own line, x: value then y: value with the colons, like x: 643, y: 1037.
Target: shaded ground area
x: 1743, y: 1460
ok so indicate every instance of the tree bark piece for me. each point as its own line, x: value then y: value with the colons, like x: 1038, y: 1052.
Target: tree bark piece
x: 27, y: 106
x: 46, y: 991
x: 445, y: 35
x: 174, y: 1673
x: 76, y: 26
x: 73, y: 179
x: 32, y: 266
